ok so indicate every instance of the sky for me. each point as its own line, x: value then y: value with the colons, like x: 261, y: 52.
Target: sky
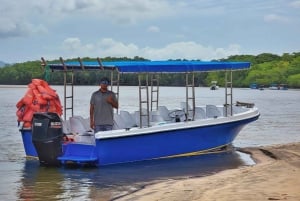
x: 153, y: 29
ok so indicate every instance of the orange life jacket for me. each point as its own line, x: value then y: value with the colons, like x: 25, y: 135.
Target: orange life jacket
x: 39, y: 97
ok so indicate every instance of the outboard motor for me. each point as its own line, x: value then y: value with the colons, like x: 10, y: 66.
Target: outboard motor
x: 47, y: 137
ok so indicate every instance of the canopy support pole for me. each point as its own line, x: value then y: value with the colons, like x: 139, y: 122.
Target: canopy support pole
x: 154, y: 91
x: 190, y: 96
x: 115, y: 81
x: 228, y: 94
x: 144, y: 98
x: 68, y: 98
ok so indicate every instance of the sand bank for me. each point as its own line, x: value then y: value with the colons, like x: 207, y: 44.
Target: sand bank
x: 276, y: 176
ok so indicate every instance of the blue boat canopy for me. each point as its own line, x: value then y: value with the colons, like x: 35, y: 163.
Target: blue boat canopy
x: 151, y: 66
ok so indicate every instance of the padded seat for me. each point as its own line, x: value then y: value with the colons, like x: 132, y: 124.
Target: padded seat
x: 128, y: 119
x: 164, y: 113
x: 119, y: 122
x: 144, y: 122
x: 212, y: 111
x: 200, y: 113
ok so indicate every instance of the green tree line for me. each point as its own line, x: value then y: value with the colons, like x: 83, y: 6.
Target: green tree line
x: 265, y: 69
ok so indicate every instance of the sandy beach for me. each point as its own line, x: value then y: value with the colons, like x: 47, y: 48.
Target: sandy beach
x: 275, y: 176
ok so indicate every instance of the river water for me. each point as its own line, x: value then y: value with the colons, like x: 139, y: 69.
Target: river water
x: 24, y: 179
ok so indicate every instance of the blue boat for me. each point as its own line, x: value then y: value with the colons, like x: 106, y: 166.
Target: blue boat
x: 274, y: 86
x: 253, y: 86
x: 154, y: 131
x: 283, y: 87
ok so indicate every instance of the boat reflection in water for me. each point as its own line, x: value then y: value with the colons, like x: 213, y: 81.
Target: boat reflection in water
x: 108, y: 182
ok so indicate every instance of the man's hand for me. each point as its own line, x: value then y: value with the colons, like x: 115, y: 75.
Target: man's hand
x: 92, y: 124
x: 110, y: 100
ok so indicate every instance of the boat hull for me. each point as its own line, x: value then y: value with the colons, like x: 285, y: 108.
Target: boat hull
x: 29, y: 148
x: 167, y: 143
x: 169, y: 140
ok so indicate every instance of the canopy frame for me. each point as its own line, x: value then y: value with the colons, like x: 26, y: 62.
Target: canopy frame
x: 152, y: 68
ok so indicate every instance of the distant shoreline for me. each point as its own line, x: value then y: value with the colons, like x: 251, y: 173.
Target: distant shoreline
x: 25, y: 86
x: 13, y: 86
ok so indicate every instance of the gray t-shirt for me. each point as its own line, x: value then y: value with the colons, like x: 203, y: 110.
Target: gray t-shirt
x: 103, y: 111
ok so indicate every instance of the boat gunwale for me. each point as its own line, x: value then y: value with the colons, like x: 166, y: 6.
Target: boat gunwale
x: 175, y: 126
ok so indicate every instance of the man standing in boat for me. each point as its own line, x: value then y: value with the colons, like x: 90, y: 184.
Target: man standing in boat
x: 101, y: 107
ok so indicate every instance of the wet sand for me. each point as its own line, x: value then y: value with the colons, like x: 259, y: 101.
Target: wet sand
x: 275, y: 176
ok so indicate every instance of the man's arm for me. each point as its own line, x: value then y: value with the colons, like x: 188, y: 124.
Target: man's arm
x: 92, y: 121
x: 112, y: 100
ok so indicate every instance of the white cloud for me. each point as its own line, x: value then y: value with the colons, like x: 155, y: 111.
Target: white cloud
x: 70, y: 5
x: 74, y: 47
x: 14, y: 28
x: 20, y: 18
x: 72, y: 44
x: 153, y: 29
x: 179, y: 50
x: 295, y: 4
x: 275, y: 18
x: 189, y: 50
x: 10, y: 28
x: 133, y: 11
x: 117, y: 11
x: 110, y: 47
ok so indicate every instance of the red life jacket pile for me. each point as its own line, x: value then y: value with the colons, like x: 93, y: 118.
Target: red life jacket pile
x: 40, y: 97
